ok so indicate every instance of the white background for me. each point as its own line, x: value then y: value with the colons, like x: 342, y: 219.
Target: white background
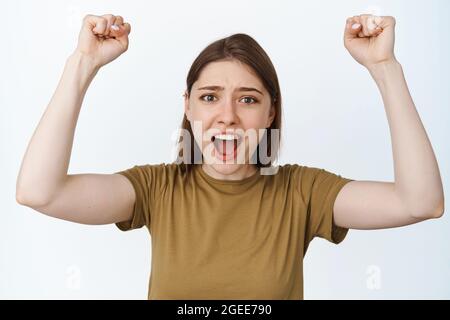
x: 333, y: 119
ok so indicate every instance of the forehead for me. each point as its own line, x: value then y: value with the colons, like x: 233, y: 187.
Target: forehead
x: 232, y: 73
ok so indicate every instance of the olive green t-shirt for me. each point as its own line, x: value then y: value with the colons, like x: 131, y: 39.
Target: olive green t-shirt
x: 239, y: 239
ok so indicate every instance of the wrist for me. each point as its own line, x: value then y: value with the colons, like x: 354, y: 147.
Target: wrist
x: 382, y: 69
x: 79, y: 71
x: 83, y: 61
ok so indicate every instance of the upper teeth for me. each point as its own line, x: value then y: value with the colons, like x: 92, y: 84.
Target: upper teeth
x: 226, y: 137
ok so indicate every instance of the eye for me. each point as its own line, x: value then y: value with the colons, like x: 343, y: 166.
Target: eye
x: 249, y: 100
x: 208, y: 98
x: 212, y: 98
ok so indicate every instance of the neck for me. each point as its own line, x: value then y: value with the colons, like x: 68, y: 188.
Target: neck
x: 242, y: 172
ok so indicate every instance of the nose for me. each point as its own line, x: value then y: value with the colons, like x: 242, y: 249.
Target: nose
x: 227, y: 114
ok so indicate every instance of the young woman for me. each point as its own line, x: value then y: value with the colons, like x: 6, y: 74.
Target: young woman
x: 223, y: 228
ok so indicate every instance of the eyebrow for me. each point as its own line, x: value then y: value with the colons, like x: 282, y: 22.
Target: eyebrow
x: 219, y: 88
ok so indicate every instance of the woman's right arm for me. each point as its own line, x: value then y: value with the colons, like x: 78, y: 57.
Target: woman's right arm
x: 43, y: 183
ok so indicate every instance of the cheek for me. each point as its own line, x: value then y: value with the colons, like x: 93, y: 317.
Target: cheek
x: 255, y: 119
x: 201, y: 120
x: 200, y: 114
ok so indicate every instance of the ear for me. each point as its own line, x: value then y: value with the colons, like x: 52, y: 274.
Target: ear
x: 271, y: 117
x: 187, y: 110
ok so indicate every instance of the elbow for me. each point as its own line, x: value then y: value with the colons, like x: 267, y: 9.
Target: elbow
x: 440, y: 210
x: 430, y: 212
x: 426, y: 204
x: 28, y: 200
x: 20, y: 199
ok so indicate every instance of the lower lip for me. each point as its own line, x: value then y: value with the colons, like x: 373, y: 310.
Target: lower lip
x: 225, y: 157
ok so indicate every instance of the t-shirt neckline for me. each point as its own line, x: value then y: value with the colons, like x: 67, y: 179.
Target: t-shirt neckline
x: 244, y: 181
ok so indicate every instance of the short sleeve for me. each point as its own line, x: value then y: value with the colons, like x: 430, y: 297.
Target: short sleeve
x: 144, y: 182
x: 320, y: 189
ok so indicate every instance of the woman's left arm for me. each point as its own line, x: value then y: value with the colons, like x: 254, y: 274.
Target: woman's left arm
x: 417, y: 193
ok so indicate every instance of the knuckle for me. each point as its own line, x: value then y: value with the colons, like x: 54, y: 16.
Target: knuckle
x: 110, y: 18
x: 87, y: 17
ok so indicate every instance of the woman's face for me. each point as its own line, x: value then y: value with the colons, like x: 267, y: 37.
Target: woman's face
x: 230, y: 104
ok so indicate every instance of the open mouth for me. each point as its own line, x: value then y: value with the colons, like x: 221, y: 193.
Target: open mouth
x: 226, y: 145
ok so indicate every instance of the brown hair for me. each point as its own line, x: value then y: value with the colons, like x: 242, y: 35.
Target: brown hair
x: 244, y: 48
